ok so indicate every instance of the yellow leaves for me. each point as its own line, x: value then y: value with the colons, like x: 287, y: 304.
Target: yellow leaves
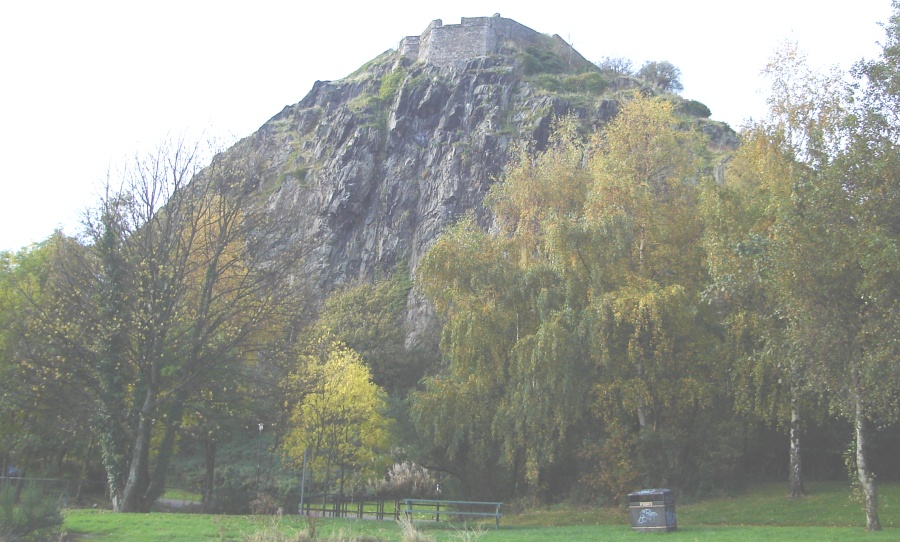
x: 639, y: 159
x: 340, y: 419
x: 591, y: 279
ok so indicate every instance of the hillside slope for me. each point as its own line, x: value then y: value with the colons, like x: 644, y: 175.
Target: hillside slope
x: 374, y: 166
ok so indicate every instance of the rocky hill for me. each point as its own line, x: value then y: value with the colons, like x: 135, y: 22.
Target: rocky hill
x: 373, y: 167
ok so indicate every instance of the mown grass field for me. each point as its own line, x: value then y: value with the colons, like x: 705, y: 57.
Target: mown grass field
x: 763, y: 513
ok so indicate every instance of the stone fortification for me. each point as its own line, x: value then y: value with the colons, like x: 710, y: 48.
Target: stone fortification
x: 475, y: 37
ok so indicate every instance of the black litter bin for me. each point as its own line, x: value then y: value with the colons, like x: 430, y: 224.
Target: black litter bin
x: 652, y: 510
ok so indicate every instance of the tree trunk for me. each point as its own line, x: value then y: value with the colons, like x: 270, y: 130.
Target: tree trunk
x: 795, y: 478
x: 864, y: 475
x: 84, y: 469
x: 209, y: 458
x: 164, y: 453
x: 139, y: 469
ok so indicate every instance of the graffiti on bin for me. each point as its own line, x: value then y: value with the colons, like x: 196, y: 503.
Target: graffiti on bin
x: 647, y: 516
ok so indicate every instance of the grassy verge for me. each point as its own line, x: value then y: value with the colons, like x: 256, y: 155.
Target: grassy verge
x: 827, y: 513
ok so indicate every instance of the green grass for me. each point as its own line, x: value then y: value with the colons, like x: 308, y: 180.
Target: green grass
x: 182, y: 495
x: 827, y: 504
x: 827, y: 513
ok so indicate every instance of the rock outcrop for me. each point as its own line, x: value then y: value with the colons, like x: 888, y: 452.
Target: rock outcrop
x: 375, y: 166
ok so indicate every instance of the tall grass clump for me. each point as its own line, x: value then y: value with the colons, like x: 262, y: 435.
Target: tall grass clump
x: 36, y: 516
x: 409, y: 532
x: 272, y: 531
x: 469, y: 535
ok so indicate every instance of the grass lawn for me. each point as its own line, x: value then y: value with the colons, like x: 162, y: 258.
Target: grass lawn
x: 762, y: 513
x: 181, y: 495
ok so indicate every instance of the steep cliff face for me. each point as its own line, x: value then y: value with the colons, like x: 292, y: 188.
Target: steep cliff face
x: 375, y: 166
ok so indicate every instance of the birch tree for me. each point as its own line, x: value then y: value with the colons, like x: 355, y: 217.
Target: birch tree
x: 825, y: 238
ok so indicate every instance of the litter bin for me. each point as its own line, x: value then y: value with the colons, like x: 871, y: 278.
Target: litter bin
x: 652, y: 510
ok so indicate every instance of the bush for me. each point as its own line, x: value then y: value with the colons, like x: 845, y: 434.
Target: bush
x: 695, y: 109
x: 548, y: 82
x: 234, y: 493
x: 591, y: 83
x: 662, y: 75
x: 264, y: 504
x: 390, y: 84
x: 536, y: 61
x: 588, y: 82
x: 406, y: 480
x: 36, y: 515
x: 616, y: 65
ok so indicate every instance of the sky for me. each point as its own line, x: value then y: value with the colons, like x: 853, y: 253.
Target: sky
x: 87, y: 85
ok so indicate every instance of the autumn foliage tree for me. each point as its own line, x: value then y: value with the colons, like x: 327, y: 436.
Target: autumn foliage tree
x: 583, y: 305
x: 338, y: 422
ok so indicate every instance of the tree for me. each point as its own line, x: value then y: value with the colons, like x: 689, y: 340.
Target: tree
x: 822, y: 245
x: 616, y: 65
x: 370, y: 319
x: 662, y: 75
x: 468, y: 281
x: 42, y: 425
x: 516, y: 381
x: 651, y: 337
x: 771, y: 365
x: 340, y: 421
x: 179, y: 278
x: 588, y: 287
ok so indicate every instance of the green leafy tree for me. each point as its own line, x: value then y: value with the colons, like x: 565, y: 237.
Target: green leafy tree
x: 662, y: 75
x: 177, y: 279
x: 653, y: 339
x: 468, y: 281
x: 539, y: 209
x: 643, y: 208
x: 370, y: 319
x: 820, y: 248
x: 745, y: 248
x: 42, y: 421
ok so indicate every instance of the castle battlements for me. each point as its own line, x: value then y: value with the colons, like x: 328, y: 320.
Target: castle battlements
x: 448, y: 45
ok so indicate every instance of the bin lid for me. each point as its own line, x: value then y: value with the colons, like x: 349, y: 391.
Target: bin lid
x: 642, y: 494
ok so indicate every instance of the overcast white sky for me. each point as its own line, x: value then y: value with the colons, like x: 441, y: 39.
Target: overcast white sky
x: 84, y: 85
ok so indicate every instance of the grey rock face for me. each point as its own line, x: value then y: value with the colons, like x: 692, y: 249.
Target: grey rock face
x: 372, y: 168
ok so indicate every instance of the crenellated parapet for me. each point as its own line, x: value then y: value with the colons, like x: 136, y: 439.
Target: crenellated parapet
x: 474, y: 37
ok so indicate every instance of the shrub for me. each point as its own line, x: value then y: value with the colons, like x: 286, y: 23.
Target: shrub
x: 695, y: 109
x: 390, y: 84
x: 234, y: 493
x: 592, y: 83
x: 548, y: 82
x: 406, y: 480
x: 662, y: 75
x: 588, y: 82
x: 264, y: 504
x: 536, y: 61
x: 616, y: 65
x: 611, y: 471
